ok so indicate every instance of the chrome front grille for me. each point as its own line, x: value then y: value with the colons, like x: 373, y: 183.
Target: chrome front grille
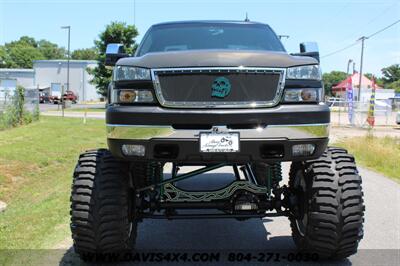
x: 195, y: 87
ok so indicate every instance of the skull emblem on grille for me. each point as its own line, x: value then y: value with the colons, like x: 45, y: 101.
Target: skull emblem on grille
x: 221, y: 87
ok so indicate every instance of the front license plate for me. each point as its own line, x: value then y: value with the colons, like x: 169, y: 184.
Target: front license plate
x: 219, y: 142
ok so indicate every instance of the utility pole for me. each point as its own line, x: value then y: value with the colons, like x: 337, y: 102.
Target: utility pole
x: 348, y: 66
x: 69, y: 54
x: 63, y: 102
x: 362, y: 39
x: 134, y: 12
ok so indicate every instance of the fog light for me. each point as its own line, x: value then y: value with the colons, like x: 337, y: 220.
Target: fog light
x: 303, y: 149
x: 133, y: 150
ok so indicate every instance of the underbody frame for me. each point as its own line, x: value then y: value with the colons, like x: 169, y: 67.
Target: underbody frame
x: 241, y: 199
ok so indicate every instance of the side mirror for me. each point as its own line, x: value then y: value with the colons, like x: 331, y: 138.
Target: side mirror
x: 309, y: 49
x: 114, y: 52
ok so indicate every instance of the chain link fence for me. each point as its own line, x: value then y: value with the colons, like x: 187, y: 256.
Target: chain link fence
x: 5, y: 98
x: 344, y: 113
x: 18, y: 106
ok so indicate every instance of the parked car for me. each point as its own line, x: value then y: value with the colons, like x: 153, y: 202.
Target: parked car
x: 46, y: 97
x: 398, y: 118
x: 70, y: 96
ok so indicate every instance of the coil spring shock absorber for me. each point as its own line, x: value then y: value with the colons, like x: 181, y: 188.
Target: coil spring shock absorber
x: 276, y: 172
x: 276, y: 177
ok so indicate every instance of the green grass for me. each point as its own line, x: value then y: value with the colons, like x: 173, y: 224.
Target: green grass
x: 36, y: 165
x: 379, y: 154
x: 37, y: 160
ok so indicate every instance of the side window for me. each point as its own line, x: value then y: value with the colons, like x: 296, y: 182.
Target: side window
x: 146, y: 45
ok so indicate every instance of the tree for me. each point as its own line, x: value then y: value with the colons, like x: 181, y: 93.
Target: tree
x: 378, y: 81
x: 391, y: 73
x: 21, y: 53
x: 331, y: 79
x: 51, y: 50
x: 3, y: 55
x: 394, y: 85
x: 26, y: 40
x: 369, y: 75
x: 391, y: 77
x: 116, y: 32
x: 85, y: 54
x: 22, y: 56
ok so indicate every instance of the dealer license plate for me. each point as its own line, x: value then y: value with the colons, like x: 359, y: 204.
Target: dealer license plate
x: 219, y: 142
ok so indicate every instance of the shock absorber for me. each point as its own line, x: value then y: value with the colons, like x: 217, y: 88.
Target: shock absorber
x: 154, y: 172
x: 276, y: 172
x: 154, y: 176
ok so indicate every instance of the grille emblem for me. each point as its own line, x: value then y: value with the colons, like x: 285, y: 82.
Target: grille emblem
x: 221, y: 87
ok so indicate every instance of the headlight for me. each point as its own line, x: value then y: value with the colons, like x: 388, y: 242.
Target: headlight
x: 131, y: 73
x: 132, y: 96
x: 304, y: 72
x: 303, y: 95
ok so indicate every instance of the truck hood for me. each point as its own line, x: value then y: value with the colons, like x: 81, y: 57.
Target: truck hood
x: 216, y: 58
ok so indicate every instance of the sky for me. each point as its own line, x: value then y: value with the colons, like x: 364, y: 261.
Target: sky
x: 333, y: 24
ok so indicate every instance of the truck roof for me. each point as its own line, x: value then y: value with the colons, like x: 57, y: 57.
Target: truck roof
x: 209, y: 22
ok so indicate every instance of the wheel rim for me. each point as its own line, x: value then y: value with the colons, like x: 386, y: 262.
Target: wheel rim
x: 301, y: 188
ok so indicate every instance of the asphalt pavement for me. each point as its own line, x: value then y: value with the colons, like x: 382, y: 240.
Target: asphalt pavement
x: 380, y: 246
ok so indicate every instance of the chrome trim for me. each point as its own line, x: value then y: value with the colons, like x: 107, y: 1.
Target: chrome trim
x: 147, y: 132
x: 247, y: 104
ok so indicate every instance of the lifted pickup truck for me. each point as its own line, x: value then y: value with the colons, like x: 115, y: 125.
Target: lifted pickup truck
x: 214, y: 94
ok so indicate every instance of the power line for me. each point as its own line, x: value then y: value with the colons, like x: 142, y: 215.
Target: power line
x: 362, y: 39
x: 370, y: 21
x: 385, y: 28
x: 336, y: 14
x: 367, y: 37
x: 340, y: 50
x: 134, y: 12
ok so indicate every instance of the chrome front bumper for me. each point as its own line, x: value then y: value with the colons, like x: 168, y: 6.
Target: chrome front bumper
x: 148, y: 132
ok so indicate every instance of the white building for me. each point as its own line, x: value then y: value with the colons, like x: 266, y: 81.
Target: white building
x: 52, y: 75
x: 10, y: 78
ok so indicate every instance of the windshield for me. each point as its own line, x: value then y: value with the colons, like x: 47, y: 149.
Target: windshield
x: 231, y: 36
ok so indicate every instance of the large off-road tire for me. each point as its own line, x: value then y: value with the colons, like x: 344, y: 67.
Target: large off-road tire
x: 327, y: 218
x: 102, y: 218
